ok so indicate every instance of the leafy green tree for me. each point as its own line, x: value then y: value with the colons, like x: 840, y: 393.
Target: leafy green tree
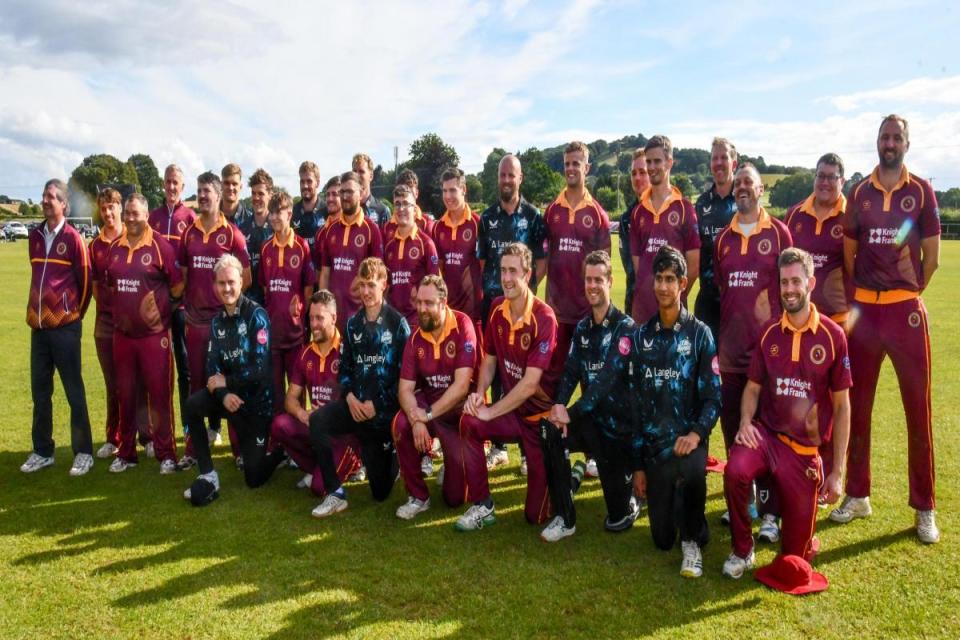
x: 429, y: 156
x: 151, y: 184
x: 682, y: 181
x: 610, y: 199
x: 474, y: 189
x: 96, y: 170
x: 541, y: 184
x: 791, y: 189
x: 851, y: 182
x: 490, y: 175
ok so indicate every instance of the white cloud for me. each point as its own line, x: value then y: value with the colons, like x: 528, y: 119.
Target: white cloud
x: 944, y: 91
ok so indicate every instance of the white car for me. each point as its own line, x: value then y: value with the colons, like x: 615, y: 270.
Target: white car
x: 16, y: 230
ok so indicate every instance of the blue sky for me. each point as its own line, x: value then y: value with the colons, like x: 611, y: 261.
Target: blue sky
x: 273, y: 84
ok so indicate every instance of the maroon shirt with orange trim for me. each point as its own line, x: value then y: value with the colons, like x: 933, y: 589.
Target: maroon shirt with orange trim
x: 140, y: 278
x: 749, y: 281
x: 315, y: 371
x: 344, y: 246
x: 423, y: 223
x: 457, y: 250
x: 430, y: 364
x: 528, y: 342
x: 823, y: 239
x: 285, y: 270
x: 889, y: 225
x: 408, y: 260
x: 571, y: 235
x: 199, y: 252
x: 798, y: 369
x: 98, y: 248
x: 674, y: 224
x: 172, y: 224
x: 61, y: 282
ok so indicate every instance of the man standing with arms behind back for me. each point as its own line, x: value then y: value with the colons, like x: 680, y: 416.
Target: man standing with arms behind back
x: 639, y: 181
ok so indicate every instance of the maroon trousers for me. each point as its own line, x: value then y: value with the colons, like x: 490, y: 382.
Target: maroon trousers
x: 145, y: 364
x: 294, y: 437
x: 197, y: 338
x: 795, y: 474
x: 105, y: 356
x: 507, y: 428
x: 899, y: 330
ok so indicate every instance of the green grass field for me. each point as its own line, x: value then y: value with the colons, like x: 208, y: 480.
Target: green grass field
x: 120, y: 556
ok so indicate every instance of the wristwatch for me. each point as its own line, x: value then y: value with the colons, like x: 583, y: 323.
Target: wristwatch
x: 429, y: 414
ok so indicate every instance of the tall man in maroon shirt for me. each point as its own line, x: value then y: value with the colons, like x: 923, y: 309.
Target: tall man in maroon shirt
x: 409, y: 254
x: 455, y: 235
x: 891, y: 249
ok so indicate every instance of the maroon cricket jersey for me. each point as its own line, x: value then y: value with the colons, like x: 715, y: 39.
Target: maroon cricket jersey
x: 199, y: 252
x: 430, y: 364
x: 99, y: 249
x: 60, y: 281
x: 571, y: 235
x: 888, y: 226
x: 798, y: 369
x: 172, y: 224
x: 315, y: 371
x: 408, y: 260
x: 674, y: 224
x: 316, y: 251
x: 749, y: 281
x: 140, y: 278
x: 423, y: 223
x: 344, y: 246
x: 457, y: 249
x: 528, y: 342
x: 285, y: 270
x: 823, y: 239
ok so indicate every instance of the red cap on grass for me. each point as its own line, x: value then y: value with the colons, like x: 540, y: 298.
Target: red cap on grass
x: 791, y: 574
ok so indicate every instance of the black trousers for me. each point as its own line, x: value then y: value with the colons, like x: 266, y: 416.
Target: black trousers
x: 253, y: 432
x: 376, y: 448
x: 677, y: 498
x: 613, y: 463
x: 177, y: 327
x: 59, y: 349
x: 707, y: 311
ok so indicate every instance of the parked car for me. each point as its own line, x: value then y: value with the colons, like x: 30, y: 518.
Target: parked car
x: 15, y: 230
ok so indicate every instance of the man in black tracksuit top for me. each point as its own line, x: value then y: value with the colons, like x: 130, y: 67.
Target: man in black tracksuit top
x: 600, y: 421
x: 372, y: 351
x: 239, y: 385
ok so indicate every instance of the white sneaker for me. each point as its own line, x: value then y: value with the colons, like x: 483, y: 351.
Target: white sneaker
x: 214, y: 438
x: 556, y: 530
x: 35, y: 463
x: 592, y: 471
x: 496, y: 457
x: 82, y: 463
x: 358, y: 476
x: 692, y: 564
x: 412, y: 507
x: 852, y: 508
x: 149, y: 451
x: 108, y: 449
x: 735, y: 565
x: 440, y: 475
x: 769, y: 529
x: 119, y: 465
x: 477, y: 517
x: 305, y: 481
x: 168, y: 467
x: 239, y: 462
x: 186, y: 462
x: 927, y: 529
x: 725, y: 518
x: 426, y: 466
x: 523, y: 465
x: 331, y: 504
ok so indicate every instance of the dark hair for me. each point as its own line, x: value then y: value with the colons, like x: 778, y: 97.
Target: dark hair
x: 279, y: 201
x: 324, y: 297
x: 599, y: 258
x: 437, y: 283
x: 833, y: 160
x: 660, y: 142
x: 209, y: 177
x: 409, y: 178
x: 893, y: 117
x: 349, y: 176
x: 668, y: 258
x: 794, y: 255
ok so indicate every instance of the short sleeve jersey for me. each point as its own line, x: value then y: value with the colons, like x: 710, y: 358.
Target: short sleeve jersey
x: 498, y: 228
x: 424, y: 223
x: 528, y: 342
x: 823, y: 240
x: 714, y: 214
x: 457, y: 249
x: 306, y: 224
x: 99, y: 249
x: 285, y: 270
x: 199, y: 252
x: 572, y: 233
x: 408, y: 260
x: 315, y: 371
x: 888, y: 226
x: 431, y: 363
x: 798, y: 369
x: 345, y: 246
x: 674, y: 224
x: 140, y: 277
x: 256, y: 236
x: 749, y: 281
x: 172, y: 223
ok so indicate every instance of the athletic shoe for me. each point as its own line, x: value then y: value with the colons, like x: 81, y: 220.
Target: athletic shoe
x: 167, y: 467
x: 440, y: 475
x: 149, y: 451
x: 769, y: 529
x: 725, y: 519
x: 852, y: 508
x: 35, y: 463
x: 496, y: 457
x: 204, y: 490
x: 108, y: 449
x: 523, y: 465
x: 292, y: 465
x: 557, y: 530
x: 119, y: 465
x: 239, y: 462
x: 358, y: 476
x: 412, y: 507
x: 692, y: 564
x: 331, y: 504
x: 592, y: 471
x: 82, y: 463
x: 735, y: 565
x: 186, y: 462
x: 426, y: 466
x: 214, y: 437
x: 927, y: 529
x: 477, y: 516
x: 305, y: 481
x: 624, y: 523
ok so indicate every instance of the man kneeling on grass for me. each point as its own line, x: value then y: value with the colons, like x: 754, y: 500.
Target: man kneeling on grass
x: 239, y: 385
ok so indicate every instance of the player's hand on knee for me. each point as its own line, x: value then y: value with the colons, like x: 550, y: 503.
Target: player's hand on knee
x: 232, y: 402
x: 686, y: 444
x: 421, y: 437
x: 748, y: 435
